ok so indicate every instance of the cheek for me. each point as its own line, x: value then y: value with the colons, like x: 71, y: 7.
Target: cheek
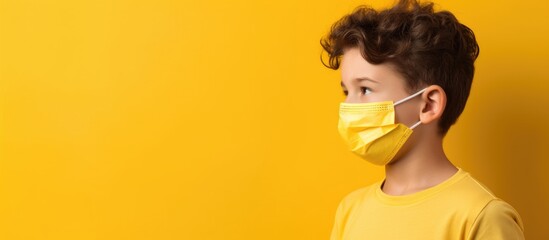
x: 407, y: 116
x: 377, y: 96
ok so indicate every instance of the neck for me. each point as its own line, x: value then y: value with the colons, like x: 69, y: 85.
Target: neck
x: 422, y: 167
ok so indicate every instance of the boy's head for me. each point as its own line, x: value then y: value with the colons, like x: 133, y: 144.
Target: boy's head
x: 425, y: 47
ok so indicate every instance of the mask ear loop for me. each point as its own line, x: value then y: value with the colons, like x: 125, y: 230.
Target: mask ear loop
x: 408, y: 98
x: 415, y: 125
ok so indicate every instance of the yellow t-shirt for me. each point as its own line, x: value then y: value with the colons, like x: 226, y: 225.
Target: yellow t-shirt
x: 458, y: 208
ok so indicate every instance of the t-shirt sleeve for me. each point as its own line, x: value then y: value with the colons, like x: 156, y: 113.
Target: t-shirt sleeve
x: 498, y: 220
x: 341, y: 213
x: 336, y: 229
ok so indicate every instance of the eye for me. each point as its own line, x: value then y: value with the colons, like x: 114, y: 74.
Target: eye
x: 365, y: 90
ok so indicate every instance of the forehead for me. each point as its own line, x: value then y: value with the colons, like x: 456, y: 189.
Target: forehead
x: 354, y: 66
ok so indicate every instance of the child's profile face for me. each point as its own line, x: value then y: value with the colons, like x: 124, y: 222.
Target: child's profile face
x: 363, y: 82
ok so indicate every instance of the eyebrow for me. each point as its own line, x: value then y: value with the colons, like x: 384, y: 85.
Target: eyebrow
x: 360, y: 79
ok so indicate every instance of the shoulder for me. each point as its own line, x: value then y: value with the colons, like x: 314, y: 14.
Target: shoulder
x: 473, y: 186
x: 351, y: 201
x: 493, y: 217
x: 472, y: 194
x: 498, y: 220
x: 357, y: 197
x: 360, y: 193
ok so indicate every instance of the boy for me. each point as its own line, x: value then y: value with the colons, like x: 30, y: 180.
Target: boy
x: 407, y: 72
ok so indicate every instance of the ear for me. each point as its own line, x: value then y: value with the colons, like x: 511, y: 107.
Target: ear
x: 434, y: 103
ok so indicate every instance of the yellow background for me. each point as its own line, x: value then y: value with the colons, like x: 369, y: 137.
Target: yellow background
x: 216, y: 120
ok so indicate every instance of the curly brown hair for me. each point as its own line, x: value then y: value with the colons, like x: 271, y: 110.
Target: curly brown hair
x: 425, y: 46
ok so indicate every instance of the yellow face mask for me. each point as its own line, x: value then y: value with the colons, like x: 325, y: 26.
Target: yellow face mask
x: 370, y: 131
